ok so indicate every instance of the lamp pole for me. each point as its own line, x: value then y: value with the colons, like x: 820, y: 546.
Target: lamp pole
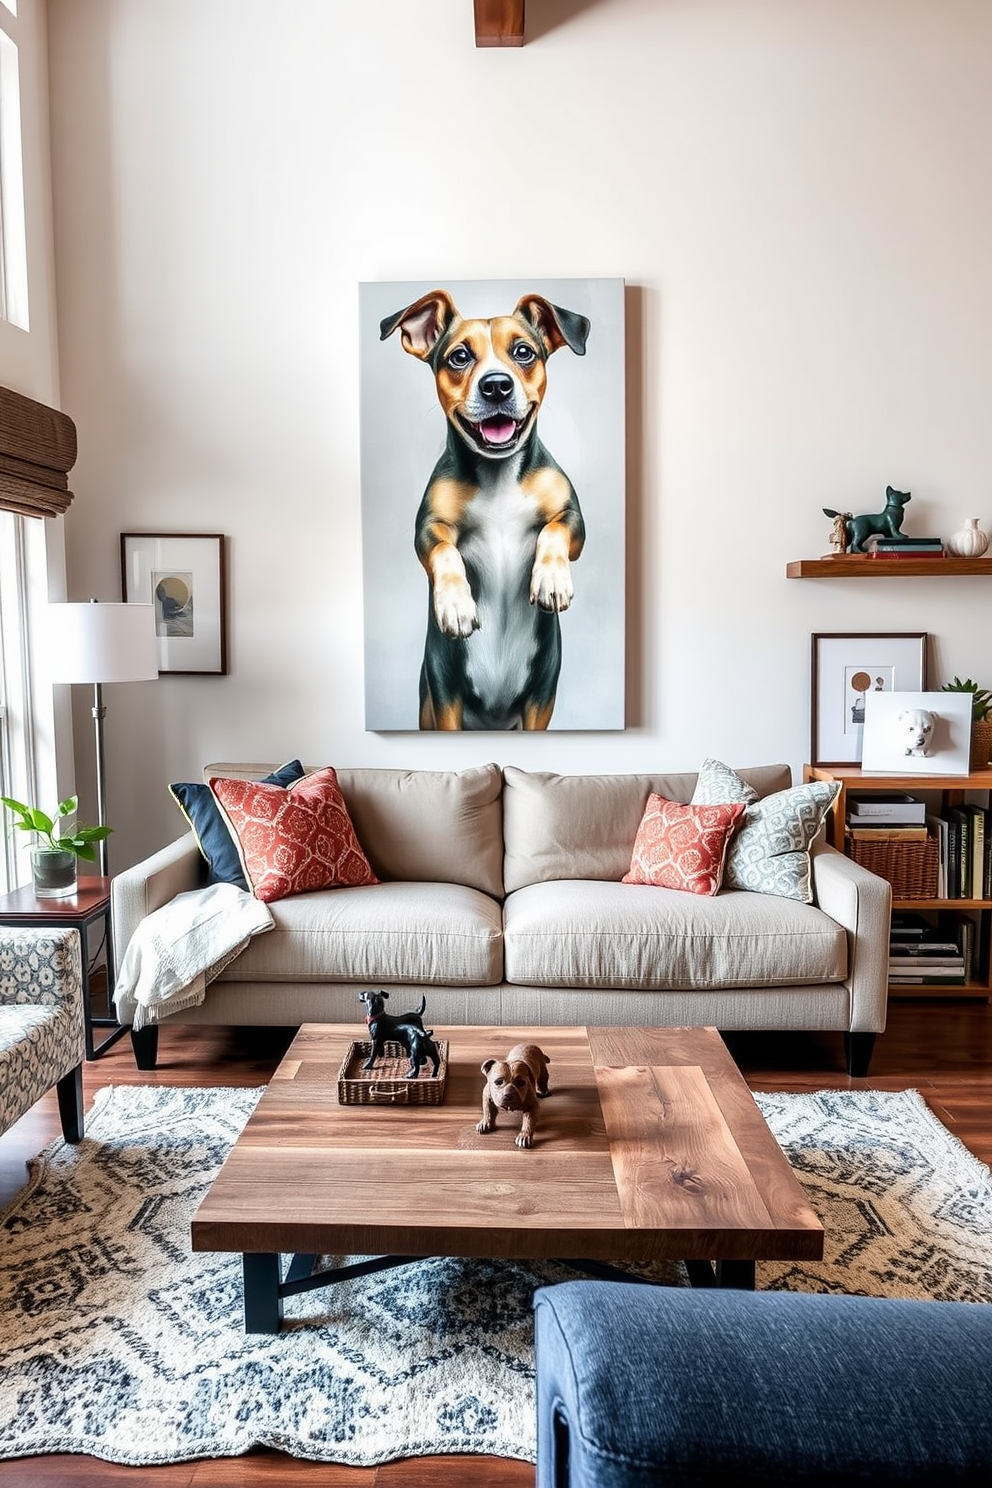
x: 99, y: 713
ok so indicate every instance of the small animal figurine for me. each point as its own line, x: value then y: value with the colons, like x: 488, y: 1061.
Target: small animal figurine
x: 515, y: 1084
x: 916, y: 727
x: 405, y: 1029
x: 838, y: 532
x: 885, y: 523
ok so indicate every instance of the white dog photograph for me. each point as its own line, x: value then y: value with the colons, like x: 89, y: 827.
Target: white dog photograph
x: 493, y: 503
x: 917, y: 733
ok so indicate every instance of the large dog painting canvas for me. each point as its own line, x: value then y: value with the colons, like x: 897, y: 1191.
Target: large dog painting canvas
x: 493, y: 504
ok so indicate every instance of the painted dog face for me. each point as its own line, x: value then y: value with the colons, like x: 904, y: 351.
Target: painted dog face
x: 490, y: 374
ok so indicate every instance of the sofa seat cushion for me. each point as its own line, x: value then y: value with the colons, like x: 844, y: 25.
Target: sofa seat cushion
x: 585, y: 933
x: 390, y: 932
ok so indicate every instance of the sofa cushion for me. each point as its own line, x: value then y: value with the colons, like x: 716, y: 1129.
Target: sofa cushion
x: 394, y: 932
x: 584, y: 826
x: 770, y: 852
x: 293, y: 840
x: 212, y: 833
x: 682, y: 847
x: 578, y: 933
x: 422, y: 826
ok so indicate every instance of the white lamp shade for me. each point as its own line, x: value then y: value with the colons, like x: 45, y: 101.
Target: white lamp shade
x: 99, y: 642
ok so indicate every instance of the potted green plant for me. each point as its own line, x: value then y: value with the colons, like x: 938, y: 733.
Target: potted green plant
x: 56, y: 853
x: 981, y: 719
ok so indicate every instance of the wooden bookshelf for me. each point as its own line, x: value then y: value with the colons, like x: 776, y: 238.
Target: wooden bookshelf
x: 951, y: 790
x: 863, y: 566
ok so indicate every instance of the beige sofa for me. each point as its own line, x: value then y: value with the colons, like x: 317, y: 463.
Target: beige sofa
x: 500, y: 898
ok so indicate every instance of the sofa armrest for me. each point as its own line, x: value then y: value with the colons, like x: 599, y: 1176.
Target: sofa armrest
x: 645, y: 1385
x: 861, y: 902
x: 150, y: 884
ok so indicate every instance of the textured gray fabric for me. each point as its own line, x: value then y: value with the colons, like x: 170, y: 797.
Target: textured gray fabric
x: 140, y: 890
x: 428, y: 826
x: 389, y: 932
x: 830, y: 971
x: 577, y: 933
x: 584, y: 826
x: 862, y: 903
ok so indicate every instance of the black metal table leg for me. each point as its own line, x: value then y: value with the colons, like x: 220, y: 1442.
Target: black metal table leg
x: 736, y: 1274
x: 263, y: 1302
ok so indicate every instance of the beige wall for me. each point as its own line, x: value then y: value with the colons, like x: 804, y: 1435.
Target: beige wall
x: 796, y: 194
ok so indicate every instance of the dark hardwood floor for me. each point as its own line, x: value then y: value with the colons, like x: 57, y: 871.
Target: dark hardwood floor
x: 941, y: 1048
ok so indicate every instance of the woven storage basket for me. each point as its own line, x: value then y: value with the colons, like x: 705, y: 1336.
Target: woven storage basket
x: 384, y: 1084
x: 910, y: 867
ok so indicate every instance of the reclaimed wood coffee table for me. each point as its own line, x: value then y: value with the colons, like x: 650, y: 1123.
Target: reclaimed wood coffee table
x: 648, y: 1147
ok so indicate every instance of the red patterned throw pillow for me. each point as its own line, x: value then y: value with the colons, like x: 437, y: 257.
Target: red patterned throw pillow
x: 682, y: 847
x: 295, y: 840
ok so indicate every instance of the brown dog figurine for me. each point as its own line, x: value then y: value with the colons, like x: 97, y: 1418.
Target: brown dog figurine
x: 515, y: 1084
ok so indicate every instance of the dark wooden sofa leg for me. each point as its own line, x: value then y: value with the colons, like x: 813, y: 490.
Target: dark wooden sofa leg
x: 70, y: 1093
x: 144, y: 1042
x: 858, y: 1048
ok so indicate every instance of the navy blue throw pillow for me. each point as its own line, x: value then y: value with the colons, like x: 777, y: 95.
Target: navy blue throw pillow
x: 197, y: 804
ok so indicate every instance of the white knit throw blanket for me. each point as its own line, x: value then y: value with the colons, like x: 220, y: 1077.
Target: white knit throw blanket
x: 179, y: 948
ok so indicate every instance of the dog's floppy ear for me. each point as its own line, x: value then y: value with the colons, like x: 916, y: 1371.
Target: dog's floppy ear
x: 487, y: 1066
x: 421, y: 324
x: 555, y: 326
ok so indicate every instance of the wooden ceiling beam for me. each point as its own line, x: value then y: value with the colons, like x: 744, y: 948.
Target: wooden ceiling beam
x: 499, y: 23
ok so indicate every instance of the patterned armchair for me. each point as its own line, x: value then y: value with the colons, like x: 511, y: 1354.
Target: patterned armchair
x: 41, y: 1024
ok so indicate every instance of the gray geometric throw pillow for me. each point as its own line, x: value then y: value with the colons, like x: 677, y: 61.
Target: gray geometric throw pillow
x: 769, y: 852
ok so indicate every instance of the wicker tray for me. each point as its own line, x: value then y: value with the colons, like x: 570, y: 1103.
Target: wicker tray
x: 910, y: 867
x: 384, y: 1085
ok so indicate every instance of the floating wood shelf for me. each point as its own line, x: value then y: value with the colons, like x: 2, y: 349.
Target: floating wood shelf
x: 861, y: 566
x: 499, y: 23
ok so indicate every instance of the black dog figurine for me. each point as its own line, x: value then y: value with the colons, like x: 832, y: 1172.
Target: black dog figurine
x: 406, y: 1029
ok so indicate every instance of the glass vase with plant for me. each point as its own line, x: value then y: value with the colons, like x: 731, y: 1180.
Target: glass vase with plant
x: 981, y: 719
x: 56, y: 852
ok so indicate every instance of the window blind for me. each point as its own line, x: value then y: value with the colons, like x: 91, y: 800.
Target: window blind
x: 37, y: 451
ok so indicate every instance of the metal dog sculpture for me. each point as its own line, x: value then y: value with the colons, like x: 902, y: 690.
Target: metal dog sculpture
x: 406, y: 1029
x: 887, y: 523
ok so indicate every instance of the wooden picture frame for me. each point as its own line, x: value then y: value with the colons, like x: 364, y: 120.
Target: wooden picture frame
x: 844, y: 666
x: 184, y: 575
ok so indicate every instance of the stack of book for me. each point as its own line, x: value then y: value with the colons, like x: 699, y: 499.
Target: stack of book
x: 921, y: 955
x: 965, y: 864
x: 887, y: 817
x: 907, y: 547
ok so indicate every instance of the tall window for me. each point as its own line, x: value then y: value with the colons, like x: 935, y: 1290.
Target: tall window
x: 13, y: 243
x: 17, y: 732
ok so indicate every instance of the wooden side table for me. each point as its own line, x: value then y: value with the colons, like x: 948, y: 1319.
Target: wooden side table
x: 90, y: 902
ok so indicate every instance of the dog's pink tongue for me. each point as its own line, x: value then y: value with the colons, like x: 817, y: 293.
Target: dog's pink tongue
x: 497, y: 430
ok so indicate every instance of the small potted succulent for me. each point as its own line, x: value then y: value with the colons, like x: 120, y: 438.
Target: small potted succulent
x: 981, y: 719
x: 56, y: 852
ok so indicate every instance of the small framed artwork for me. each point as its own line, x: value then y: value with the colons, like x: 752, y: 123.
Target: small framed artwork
x: 845, y: 668
x: 183, y: 574
x: 917, y: 733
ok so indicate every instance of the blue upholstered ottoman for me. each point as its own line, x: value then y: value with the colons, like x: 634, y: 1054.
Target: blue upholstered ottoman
x: 640, y: 1385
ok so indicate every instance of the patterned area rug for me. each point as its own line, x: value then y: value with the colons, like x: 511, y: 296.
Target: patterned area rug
x: 118, y: 1342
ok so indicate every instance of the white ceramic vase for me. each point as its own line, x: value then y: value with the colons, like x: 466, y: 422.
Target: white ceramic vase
x: 970, y: 542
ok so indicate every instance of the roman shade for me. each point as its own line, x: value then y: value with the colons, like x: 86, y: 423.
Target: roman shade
x: 37, y: 450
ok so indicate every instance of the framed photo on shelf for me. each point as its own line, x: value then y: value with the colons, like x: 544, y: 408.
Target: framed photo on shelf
x: 184, y: 575
x: 845, y: 667
x: 892, y: 743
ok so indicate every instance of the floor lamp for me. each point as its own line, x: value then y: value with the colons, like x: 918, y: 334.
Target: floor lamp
x: 98, y: 643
